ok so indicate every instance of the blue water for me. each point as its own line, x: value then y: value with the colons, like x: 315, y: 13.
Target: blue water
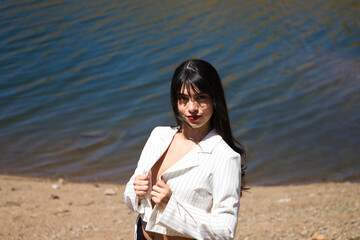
x: 83, y: 83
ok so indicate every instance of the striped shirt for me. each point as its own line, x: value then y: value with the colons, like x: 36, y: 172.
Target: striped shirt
x: 205, y: 187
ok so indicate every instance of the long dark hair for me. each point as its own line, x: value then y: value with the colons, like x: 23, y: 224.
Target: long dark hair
x: 201, y: 75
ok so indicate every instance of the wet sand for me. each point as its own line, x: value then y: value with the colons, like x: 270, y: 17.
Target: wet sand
x: 32, y: 208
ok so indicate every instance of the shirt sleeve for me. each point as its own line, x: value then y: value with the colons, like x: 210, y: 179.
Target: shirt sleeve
x: 221, y: 221
x: 131, y: 200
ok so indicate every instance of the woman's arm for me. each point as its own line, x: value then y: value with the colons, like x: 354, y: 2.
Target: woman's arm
x: 132, y: 201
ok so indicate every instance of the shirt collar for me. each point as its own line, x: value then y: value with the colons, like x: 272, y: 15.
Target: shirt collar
x: 209, y: 142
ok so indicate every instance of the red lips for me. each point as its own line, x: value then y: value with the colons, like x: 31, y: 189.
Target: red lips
x: 193, y: 117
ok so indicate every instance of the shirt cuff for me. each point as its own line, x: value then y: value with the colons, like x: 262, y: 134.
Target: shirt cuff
x: 139, y: 205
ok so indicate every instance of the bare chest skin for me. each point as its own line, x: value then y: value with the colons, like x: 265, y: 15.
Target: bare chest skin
x: 178, y: 148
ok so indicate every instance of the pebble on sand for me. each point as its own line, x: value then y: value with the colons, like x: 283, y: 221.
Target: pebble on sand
x: 110, y: 192
x: 318, y: 236
x: 284, y: 200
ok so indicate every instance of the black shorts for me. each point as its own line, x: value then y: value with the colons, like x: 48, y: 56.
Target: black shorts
x: 139, y: 231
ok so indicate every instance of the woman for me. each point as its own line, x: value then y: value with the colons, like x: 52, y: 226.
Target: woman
x: 187, y: 183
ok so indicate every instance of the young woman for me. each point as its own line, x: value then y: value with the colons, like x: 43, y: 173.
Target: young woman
x: 187, y: 183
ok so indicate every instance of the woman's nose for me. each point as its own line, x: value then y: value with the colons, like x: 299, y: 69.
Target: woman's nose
x: 193, y: 106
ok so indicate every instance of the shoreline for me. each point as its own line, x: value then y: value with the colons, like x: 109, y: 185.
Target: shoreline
x: 123, y: 182
x: 47, y: 208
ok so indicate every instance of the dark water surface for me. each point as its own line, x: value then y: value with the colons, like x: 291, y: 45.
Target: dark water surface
x: 82, y: 83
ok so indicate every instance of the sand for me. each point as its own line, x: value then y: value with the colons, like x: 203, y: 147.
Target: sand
x: 32, y: 208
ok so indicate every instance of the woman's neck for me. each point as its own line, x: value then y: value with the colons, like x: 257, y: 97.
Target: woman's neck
x: 194, y: 134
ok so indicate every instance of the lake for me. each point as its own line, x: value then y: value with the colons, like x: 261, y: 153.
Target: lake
x: 83, y: 83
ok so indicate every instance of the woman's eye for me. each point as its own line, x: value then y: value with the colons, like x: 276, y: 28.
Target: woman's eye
x: 202, y: 97
x: 183, y: 98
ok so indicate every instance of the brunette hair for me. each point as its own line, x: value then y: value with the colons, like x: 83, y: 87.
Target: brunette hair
x: 199, y: 75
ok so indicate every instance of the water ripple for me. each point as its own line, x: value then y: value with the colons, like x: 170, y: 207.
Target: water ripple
x: 83, y: 83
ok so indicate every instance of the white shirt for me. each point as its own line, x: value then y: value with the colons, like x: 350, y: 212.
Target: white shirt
x: 205, y: 187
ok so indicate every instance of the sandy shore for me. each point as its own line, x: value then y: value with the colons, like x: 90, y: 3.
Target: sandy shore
x: 33, y: 208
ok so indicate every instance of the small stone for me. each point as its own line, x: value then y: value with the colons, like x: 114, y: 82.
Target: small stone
x: 304, y: 232
x: 89, y: 203
x: 53, y: 196
x: 55, y: 186
x: 353, y: 221
x: 284, y: 200
x: 10, y: 203
x: 110, y: 192
x: 318, y: 236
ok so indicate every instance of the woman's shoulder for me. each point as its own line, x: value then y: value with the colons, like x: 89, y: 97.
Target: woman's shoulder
x: 224, y: 148
x: 220, y: 147
x: 223, y: 156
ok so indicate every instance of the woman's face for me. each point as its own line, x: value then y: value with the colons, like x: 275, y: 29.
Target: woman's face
x: 196, y: 108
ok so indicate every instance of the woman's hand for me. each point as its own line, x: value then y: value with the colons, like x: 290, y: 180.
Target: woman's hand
x: 141, y: 185
x: 161, y: 194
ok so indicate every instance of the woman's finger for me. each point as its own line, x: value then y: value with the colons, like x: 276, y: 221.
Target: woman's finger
x: 140, y: 193
x: 155, y: 200
x: 156, y: 194
x: 141, y: 183
x: 157, y: 189
x: 141, y: 188
x: 142, y: 176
